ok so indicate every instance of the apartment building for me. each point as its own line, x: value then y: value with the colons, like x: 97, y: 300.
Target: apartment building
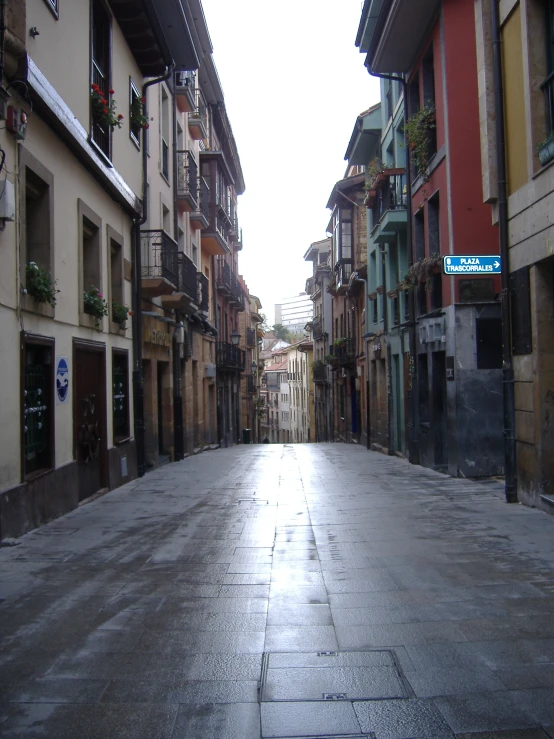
x: 301, y: 396
x: 251, y: 337
x: 74, y: 174
x: 294, y: 312
x: 520, y: 192
x: 320, y: 254
x: 455, y: 360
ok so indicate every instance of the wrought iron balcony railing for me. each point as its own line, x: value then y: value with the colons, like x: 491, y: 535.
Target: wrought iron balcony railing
x: 203, y: 292
x: 159, y: 256
x: 229, y: 357
x: 317, y: 328
x: 187, y: 178
x: 187, y: 277
x: 344, y: 352
x: 228, y: 284
x: 391, y: 196
x: 320, y: 373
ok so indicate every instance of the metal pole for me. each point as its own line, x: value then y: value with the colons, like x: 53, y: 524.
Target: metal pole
x: 510, y: 470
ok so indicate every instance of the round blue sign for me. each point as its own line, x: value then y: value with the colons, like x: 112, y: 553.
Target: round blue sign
x: 62, y: 380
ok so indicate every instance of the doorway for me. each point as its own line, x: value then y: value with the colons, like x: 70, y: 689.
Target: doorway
x: 439, y: 411
x: 89, y: 419
x: 162, y: 369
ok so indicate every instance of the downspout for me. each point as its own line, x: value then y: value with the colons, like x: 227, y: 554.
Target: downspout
x: 390, y: 450
x: 138, y: 385
x: 510, y: 471
x: 357, y: 277
x: 413, y: 420
x: 217, y: 376
x: 178, y: 431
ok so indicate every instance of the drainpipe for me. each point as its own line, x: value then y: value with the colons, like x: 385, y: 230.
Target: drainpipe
x: 510, y: 471
x: 138, y: 384
x: 357, y: 277
x: 413, y: 421
x: 178, y: 431
x: 385, y: 326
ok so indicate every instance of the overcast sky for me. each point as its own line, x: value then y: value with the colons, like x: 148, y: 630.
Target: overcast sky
x: 294, y: 84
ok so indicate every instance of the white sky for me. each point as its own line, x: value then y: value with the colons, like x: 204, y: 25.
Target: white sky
x: 294, y: 83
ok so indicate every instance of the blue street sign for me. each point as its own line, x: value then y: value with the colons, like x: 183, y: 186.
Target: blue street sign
x: 470, y: 265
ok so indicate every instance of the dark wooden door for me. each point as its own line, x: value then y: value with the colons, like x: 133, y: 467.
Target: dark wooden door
x: 89, y: 420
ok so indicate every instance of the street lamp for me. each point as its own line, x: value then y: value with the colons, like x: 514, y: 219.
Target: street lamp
x: 235, y: 338
x: 254, y: 366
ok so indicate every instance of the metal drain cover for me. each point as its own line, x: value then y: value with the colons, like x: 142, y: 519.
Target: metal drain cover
x: 339, y: 676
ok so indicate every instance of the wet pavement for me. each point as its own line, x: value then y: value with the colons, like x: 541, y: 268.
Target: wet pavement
x: 282, y: 591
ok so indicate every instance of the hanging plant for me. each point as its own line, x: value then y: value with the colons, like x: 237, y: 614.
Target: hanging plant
x: 40, y: 285
x: 337, y: 343
x: 418, y: 135
x: 422, y: 271
x: 138, y: 118
x: 103, y: 109
x: 375, y: 168
x: 95, y: 305
x: 120, y: 314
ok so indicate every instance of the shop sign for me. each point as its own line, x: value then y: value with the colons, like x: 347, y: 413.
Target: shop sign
x: 160, y: 338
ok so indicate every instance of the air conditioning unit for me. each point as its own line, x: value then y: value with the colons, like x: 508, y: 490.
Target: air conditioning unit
x: 210, y: 370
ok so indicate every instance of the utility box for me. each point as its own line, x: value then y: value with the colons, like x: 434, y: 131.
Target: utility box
x: 7, y: 201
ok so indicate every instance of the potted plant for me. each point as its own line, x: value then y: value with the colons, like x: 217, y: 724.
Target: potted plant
x: 39, y: 284
x: 95, y: 305
x: 545, y: 149
x: 103, y: 109
x: 418, y: 135
x: 120, y: 313
x: 422, y: 271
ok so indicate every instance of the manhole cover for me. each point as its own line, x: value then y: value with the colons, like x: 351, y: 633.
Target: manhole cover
x: 331, y: 676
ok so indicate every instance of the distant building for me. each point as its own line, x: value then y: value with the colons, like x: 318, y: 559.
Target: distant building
x: 294, y: 313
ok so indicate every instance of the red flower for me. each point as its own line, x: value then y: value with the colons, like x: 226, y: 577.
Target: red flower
x: 95, y: 87
x: 130, y: 312
x: 143, y: 100
x: 105, y: 110
x: 146, y: 125
x: 120, y: 117
x: 111, y: 92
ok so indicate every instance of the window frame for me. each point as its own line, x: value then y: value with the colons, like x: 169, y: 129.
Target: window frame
x: 134, y: 92
x: 107, y: 74
x: 84, y: 212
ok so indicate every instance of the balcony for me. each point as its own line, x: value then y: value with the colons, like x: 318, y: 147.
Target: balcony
x: 388, y: 209
x: 229, y: 357
x: 343, y: 351
x: 317, y: 328
x: 218, y: 234
x: 250, y: 338
x: 200, y: 217
x: 185, y: 83
x: 228, y: 285
x: 187, y: 182
x: 198, y: 117
x: 203, y: 285
x: 160, y: 268
x: 187, y: 293
x: 320, y: 373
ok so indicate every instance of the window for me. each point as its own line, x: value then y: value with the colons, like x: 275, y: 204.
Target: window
x: 489, y: 343
x: 548, y: 85
x: 135, y: 109
x: 345, y: 248
x: 419, y: 221
x: 115, y: 256
x: 37, y: 225
x: 89, y: 253
x: 101, y: 71
x: 37, y: 406
x: 120, y: 395
x: 164, y: 118
x: 520, y: 289
x: 54, y: 7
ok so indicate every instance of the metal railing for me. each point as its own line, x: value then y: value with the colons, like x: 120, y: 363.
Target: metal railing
x: 344, y: 352
x: 229, y: 357
x: 159, y: 256
x: 228, y: 284
x: 391, y: 196
x: 203, y: 285
x: 187, y: 176
x: 317, y: 328
x: 187, y: 276
x: 100, y: 134
x: 200, y: 106
x: 320, y: 373
x: 204, y: 198
x: 185, y: 81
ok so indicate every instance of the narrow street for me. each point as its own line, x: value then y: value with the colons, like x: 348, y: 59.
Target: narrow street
x: 282, y: 591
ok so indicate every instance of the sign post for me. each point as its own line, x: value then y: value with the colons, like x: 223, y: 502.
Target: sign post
x: 472, y: 265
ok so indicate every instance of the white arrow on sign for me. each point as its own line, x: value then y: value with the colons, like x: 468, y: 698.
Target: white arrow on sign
x: 497, y: 265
